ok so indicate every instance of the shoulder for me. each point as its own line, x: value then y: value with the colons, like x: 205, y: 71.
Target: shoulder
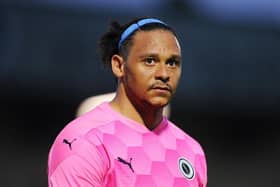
x: 188, y: 145
x: 77, y: 162
x: 84, y: 123
x: 72, y: 139
x: 183, y: 135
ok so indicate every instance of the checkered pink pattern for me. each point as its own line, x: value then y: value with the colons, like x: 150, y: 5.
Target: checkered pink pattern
x: 104, y: 148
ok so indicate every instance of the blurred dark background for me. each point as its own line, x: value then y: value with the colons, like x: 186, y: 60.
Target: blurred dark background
x: 228, y: 99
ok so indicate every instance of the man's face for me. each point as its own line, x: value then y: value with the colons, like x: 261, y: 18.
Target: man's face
x: 153, y: 68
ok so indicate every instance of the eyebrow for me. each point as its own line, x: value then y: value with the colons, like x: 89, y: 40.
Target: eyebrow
x: 156, y: 55
x: 178, y: 57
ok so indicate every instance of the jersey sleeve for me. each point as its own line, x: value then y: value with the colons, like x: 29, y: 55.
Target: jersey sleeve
x: 202, y: 167
x: 85, y: 165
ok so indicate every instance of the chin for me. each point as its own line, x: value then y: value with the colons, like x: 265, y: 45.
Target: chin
x: 160, y: 103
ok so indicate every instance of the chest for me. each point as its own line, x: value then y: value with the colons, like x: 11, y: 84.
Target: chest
x: 150, y: 160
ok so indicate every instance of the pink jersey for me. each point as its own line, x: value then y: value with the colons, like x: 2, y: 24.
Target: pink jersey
x: 104, y: 148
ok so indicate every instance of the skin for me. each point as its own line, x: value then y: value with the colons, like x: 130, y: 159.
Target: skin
x: 149, y: 76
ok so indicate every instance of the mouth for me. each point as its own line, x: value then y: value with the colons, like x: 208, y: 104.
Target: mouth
x: 162, y: 88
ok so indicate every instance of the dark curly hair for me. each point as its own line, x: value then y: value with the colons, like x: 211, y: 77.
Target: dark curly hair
x: 108, y: 44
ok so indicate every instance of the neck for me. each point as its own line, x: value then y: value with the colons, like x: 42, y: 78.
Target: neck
x: 144, y: 114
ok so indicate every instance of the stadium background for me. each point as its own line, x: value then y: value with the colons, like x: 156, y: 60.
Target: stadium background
x: 228, y: 99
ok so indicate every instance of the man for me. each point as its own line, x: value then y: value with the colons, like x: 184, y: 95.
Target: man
x: 128, y: 142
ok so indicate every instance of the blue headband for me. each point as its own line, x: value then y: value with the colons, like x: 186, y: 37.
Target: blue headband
x: 129, y: 30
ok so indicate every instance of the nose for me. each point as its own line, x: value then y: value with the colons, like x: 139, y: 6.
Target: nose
x: 162, y: 73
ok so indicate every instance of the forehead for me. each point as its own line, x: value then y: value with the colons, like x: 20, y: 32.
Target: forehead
x: 158, y: 40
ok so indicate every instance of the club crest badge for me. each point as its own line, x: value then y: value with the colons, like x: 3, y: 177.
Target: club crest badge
x: 186, y: 168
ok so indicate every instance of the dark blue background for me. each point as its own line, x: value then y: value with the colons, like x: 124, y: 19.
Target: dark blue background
x: 228, y: 99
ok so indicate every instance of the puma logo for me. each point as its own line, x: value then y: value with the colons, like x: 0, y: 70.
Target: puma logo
x: 69, y: 143
x: 126, y: 163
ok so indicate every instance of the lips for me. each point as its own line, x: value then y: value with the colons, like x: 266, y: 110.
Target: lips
x: 162, y: 88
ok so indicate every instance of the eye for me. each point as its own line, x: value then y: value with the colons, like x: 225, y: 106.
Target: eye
x: 173, y: 62
x: 150, y: 61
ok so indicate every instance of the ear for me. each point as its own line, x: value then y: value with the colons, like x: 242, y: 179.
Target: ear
x: 117, y: 64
